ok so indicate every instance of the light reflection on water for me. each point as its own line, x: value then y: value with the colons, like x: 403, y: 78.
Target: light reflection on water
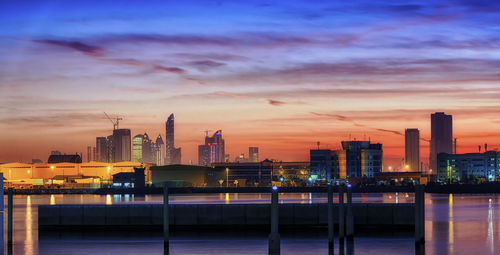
x: 455, y: 224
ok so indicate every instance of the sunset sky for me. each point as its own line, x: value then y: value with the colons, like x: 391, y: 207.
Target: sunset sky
x: 280, y: 75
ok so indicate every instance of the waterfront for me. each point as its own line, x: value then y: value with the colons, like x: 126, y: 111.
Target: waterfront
x: 455, y: 224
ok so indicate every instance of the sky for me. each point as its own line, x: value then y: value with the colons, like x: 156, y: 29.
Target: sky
x: 280, y: 75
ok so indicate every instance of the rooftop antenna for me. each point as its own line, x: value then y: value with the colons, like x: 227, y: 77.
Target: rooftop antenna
x: 116, y: 121
x: 317, y: 144
x: 206, y: 132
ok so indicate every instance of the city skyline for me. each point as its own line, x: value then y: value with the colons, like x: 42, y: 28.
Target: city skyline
x: 280, y: 76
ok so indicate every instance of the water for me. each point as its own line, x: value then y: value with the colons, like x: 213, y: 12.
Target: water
x: 455, y: 224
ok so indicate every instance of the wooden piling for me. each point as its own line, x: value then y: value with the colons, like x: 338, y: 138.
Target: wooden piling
x: 274, y: 237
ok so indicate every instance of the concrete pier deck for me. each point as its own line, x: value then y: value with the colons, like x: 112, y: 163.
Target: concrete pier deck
x: 218, y: 215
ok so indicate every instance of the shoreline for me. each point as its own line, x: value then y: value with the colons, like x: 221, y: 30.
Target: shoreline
x: 493, y: 187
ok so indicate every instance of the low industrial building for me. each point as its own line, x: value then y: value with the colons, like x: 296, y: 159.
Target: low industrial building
x: 134, y: 180
x: 468, y: 167
x: 45, y: 173
x: 184, y: 176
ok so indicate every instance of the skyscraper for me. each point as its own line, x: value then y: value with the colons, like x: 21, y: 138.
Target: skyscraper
x: 441, y: 136
x: 142, y: 149
x: 169, y: 140
x: 253, y: 154
x: 412, y: 148
x: 110, y: 150
x: 137, y: 148
x: 212, y: 151
x: 159, y: 151
x: 203, y: 155
x: 101, y: 149
x: 121, y: 145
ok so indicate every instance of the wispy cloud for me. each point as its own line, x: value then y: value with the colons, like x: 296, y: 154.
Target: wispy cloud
x: 87, y: 49
x: 275, y: 102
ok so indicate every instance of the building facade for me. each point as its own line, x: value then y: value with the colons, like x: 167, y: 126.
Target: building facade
x: 321, y: 165
x: 121, y: 145
x: 159, y: 151
x: 142, y: 149
x: 213, y: 150
x: 441, y: 137
x: 468, y: 167
x: 173, y: 154
x: 203, y: 155
x: 253, y: 154
x: 412, y: 149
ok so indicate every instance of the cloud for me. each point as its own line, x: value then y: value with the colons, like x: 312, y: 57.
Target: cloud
x: 175, y: 70
x: 347, y: 119
x: 204, y: 65
x: 275, y: 102
x: 87, y: 49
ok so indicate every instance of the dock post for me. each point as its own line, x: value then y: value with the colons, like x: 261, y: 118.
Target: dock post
x: 419, y: 214
x: 349, y: 217
x: 9, y: 216
x: 274, y: 237
x: 331, y: 237
x: 165, y: 220
x: 341, y: 216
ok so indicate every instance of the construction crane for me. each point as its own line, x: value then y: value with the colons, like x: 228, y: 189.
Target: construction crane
x: 115, y: 121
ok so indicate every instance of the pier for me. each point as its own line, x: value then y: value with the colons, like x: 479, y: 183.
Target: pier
x: 219, y: 216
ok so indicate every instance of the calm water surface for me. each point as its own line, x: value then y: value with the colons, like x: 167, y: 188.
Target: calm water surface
x: 455, y: 224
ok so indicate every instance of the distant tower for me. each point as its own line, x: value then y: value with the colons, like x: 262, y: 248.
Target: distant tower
x: 169, y: 139
x: 101, y: 149
x: 137, y: 148
x: 89, y: 153
x: 441, y: 137
x: 159, y: 151
x: 121, y: 145
x: 253, y: 154
x: 213, y: 150
x: 412, y: 148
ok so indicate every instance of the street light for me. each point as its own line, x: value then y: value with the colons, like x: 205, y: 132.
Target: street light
x: 227, y: 177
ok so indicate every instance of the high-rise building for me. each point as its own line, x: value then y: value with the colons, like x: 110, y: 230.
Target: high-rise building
x: 253, y: 154
x: 441, y: 136
x: 169, y: 140
x: 203, y: 155
x: 137, y: 148
x: 89, y: 153
x: 121, y: 145
x: 176, y: 156
x: 101, y: 154
x: 142, y: 149
x: 173, y: 155
x: 412, y: 149
x: 213, y: 150
x: 159, y: 151
x: 110, y: 149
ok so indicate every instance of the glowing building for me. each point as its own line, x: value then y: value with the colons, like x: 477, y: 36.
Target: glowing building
x: 142, y: 148
x: 137, y: 148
